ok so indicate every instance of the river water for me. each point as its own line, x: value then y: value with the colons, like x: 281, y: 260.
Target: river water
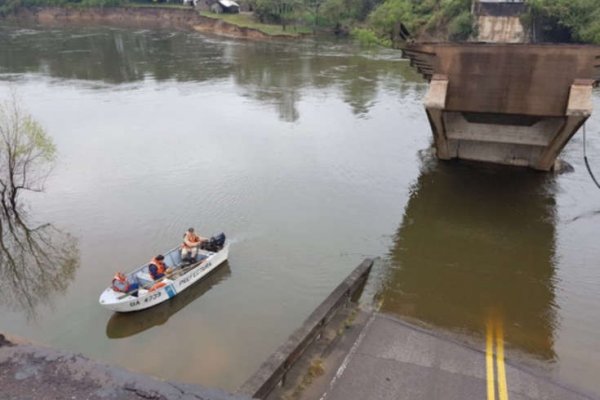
x: 310, y: 156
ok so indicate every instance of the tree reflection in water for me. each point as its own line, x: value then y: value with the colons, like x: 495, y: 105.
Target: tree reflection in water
x: 276, y: 74
x: 34, y: 261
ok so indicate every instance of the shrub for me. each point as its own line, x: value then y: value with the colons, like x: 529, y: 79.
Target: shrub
x: 461, y: 27
x: 368, y: 38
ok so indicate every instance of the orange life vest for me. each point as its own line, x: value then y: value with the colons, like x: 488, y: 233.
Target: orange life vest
x: 189, y: 237
x: 120, y: 283
x: 160, y: 266
x: 120, y: 277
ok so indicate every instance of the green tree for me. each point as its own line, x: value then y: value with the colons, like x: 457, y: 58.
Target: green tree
x: 343, y: 13
x: 442, y: 19
x: 277, y: 11
x: 27, y: 154
x: 385, y: 18
x: 567, y: 20
x: 9, y: 6
x: 590, y: 33
x: 461, y: 26
x: 313, y: 7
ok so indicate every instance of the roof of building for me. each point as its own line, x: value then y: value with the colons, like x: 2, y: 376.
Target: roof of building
x: 228, y: 3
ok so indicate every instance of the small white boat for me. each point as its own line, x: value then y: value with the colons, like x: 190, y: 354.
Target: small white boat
x: 151, y: 292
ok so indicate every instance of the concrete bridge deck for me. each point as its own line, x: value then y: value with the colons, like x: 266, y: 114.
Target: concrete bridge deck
x: 513, y: 104
x: 343, y: 352
x: 391, y: 359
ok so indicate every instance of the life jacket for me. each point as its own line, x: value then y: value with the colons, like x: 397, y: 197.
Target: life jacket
x: 120, y: 283
x: 160, y: 267
x: 189, y: 237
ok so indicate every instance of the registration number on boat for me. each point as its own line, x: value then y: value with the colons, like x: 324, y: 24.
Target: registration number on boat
x: 152, y: 297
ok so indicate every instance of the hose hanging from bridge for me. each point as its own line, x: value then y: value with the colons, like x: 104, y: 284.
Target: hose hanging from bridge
x: 587, y: 164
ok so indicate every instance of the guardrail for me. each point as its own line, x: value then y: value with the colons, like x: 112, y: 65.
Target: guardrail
x: 274, y: 369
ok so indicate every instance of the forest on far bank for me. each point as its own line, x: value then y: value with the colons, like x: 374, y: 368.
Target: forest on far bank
x: 376, y: 21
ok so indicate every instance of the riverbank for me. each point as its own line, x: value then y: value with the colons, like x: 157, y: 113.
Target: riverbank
x: 247, y: 20
x: 146, y: 17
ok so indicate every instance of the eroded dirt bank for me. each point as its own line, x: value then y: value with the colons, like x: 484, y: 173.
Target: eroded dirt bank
x: 138, y: 17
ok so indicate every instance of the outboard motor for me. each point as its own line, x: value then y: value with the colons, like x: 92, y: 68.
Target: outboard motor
x: 215, y: 243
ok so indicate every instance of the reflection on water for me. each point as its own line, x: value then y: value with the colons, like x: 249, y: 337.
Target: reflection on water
x: 267, y: 76
x: 121, y: 325
x: 207, y: 124
x: 305, y: 200
x: 34, y: 262
x: 475, y: 243
x: 268, y: 72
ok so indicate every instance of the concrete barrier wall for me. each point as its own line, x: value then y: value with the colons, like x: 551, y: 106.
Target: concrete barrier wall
x: 273, y: 370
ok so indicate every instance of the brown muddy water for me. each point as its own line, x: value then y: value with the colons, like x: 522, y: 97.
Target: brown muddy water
x: 310, y: 156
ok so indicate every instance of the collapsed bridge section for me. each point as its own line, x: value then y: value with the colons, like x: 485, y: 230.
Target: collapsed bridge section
x: 511, y: 104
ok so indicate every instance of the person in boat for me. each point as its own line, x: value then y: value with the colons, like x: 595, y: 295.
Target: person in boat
x: 123, y: 284
x: 157, y: 267
x: 190, y: 246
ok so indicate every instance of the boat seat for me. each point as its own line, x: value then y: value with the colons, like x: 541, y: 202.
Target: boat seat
x: 144, y: 278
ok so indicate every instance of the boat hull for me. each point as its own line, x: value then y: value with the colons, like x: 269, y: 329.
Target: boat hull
x: 119, y: 302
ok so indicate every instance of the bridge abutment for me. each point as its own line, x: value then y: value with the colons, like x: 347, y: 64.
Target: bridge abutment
x: 510, y: 104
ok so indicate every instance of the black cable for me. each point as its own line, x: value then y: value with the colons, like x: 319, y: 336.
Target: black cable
x: 587, y: 164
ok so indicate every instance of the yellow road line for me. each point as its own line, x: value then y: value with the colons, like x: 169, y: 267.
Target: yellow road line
x: 489, y: 360
x: 502, y: 386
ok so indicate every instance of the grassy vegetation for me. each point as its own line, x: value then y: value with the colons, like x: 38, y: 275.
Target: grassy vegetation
x: 554, y: 20
x: 247, y: 20
x: 434, y: 19
x: 366, y: 37
x: 567, y: 20
x: 376, y: 22
x: 315, y: 370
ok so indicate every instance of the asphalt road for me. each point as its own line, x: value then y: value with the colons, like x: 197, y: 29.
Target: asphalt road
x: 391, y: 359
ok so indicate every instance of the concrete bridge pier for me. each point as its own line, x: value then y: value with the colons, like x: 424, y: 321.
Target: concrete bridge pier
x: 512, y: 139
x: 506, y: 104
